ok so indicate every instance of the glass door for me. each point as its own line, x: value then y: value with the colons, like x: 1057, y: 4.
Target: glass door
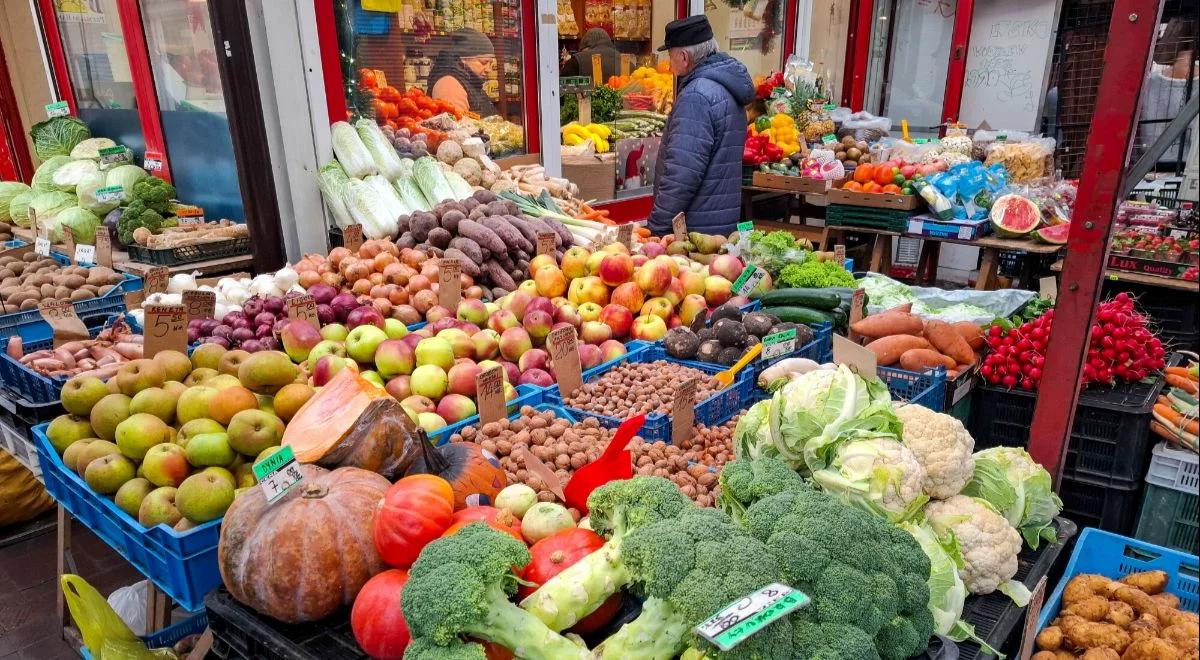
x: 910, y: 53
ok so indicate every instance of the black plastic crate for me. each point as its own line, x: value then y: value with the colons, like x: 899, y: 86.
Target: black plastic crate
x: 186, y: 254
x: 242, y: 634
x: 1106, y: 506
x: 23, y: 415
x: 995, y: 616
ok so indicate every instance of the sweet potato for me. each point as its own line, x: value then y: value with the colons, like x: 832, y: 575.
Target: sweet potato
x: 920, y: 359
x: 948, y: 341
x: 970, y: 332
x: 888, y: 350
x: 906, y: 308
x: 888, y: 323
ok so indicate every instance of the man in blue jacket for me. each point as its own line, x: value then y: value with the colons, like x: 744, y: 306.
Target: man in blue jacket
x: 699, y: 168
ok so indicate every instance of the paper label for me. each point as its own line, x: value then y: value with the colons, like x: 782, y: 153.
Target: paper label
x: 110, y: 194
x: 69, y: 244
x: 778, y: 344
x: 165, y: 328
x: 679, y: 226
x: 200, y: 304
x: 920, y: 141
x: 352, y: 237
x: 859, y: 359
x: 103, y: 247
x: 85, y: 254
x: 489, y: 395
x: 747, y: 616
x: 1048, y: 288
x: 1033, y: 612
x: 839, y: 253
x: 829, y: 106
x: 278, y: 473
x: 683, y: 411
x: 564, y: 350
x: 157, y: 279
x: 114, y: 155
x: 964, y: 233
x: 745, y: 227
x: 626, y: 63
x: 153, y: 162
x: 303, y: 307
x: 41, y: 246
x: 449, y: 283
x: 828, y: 139
x: 57, y: 109
x: 916, y: 226
x: 856, y: 311
x: 134, y: 299
x: 625, y: 234
x: 65, y: 324
x: 190, y: 215
x: 542, y: 471
x: 545, y: 242
x: 750, y: 277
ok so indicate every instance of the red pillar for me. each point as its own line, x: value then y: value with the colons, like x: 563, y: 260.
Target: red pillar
x: 1131, y: 36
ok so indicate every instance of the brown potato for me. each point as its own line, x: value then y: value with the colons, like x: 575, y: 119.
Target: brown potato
x: 1151, y: 582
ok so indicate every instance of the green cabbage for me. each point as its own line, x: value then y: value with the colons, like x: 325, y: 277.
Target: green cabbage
x: 71, y: 174
x: 58, y: 136
x: 86, y: 192
x: 18, y: 208
x: 81, y: 222
x: 125, y: 176
x: 752, y: 435
x: 43, y: 176
x: 1019, y: 488
x: 48, y: 206
x: 8, y: 191
x: 90, y: 148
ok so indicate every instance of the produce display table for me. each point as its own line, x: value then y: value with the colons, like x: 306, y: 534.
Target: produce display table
x: 1142, y: 278
x: 881, y: 252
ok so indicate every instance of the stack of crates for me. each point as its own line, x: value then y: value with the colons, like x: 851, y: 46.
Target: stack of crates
x: 1169, y: 514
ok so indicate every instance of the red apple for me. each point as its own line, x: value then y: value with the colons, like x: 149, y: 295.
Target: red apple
x: 649, y: 328
x: 660, y: 307
x: 717, y: 290
x: 588, y: 289
x: 692, y: 282
x: 693, y: 305
x: 611, y: 350
x: 594, y: 332
x: 654, y: 277
x: 619, y: 319
x: 674, y: 292
x: 574, y: 262
x: 630, y: 296
x: 727, y: 266
x: 616, y: 269
x: 399, y: 387
x: 589, y: 356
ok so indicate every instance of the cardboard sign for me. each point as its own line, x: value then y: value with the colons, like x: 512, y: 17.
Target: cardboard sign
x: 856, y: 312
x: 303, y: 307
x: 85, y: 254
x: 683, y: 411
x: 750, y: 614
x: 57, y: 109
x: 859, y: 359
x: 134, y: 299
x: 65, y: 324
x: 545, y: 242
x: 449, y: 283
x: 564, y: 350
x: 278, y: 473
x: 778, y: 344
x: 200, y: 304
x: 679, y: 227
x: 190, y: 215
x: 156, y: 279
x: 69, y: 244
x: 543, y: 472
x: 839, y: 254
x: 1032, y: 613
x: 103, y: 247
x: 352, y: 237
x: 165, y: 328
x: 489, y: 395
x: 626, y: 63
x: 1048, y: 288
x: 625, y: 234
x: 750, y: 277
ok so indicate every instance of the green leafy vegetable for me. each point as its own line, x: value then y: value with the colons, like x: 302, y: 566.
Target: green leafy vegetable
x: 86, y: 192
x: 48, y: 205
x: 125, y: 176
x: 43, y: 176
x: 813, y: 274
x: 8, y: 191
x: 81, y: 222
x: 58, y: 136
x: 1019, y: 488
x: 606, y: 103
x: 18, y: 208
x: 90, y: 148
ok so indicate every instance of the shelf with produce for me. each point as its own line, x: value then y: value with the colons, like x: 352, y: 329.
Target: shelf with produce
x: 1114, y: 275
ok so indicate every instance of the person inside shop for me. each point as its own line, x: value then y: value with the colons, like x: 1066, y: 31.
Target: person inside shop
x: 699, y: 168
x: 460, y: 71
x: 595, y: 42
x: 1172, y: 80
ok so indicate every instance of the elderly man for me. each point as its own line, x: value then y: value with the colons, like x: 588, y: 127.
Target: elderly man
x: 699, y: 169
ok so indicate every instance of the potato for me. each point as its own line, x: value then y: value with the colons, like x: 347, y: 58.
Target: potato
x: 62, y: 293
x: 72, y: 281
x: 32, y: 303
x: 81, y: 294
x: 48, y: 290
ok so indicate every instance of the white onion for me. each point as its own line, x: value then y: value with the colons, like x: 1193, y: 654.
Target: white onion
x: 181, y: 282
x: 286, y: 278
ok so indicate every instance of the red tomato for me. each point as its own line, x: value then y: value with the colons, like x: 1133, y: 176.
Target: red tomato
x: 883, y: 175
x: 376, y: 618
x: 415, y: 511
x: 500, y: 519
x: 554, y: 554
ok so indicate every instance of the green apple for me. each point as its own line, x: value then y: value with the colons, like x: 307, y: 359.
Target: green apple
x: 158, y: 507
x: 108, y: 413
x: 204, y: 496
x: 130, y: 495
x: 136, y: 435
x: 64, y: 430
x: 252, y: 431
x: 81, y: 393
x: 156, y: 401
x: 194, y: 404
x: 210, y: 449
x: 362, y: 342
x: 108, y: 473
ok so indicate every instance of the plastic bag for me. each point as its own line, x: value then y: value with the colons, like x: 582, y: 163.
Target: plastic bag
x: 1025, y: 161
x: 867, y: 121
x: 130, y: 604
x: 104, y: 633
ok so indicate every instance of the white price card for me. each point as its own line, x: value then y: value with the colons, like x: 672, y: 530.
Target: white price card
x: 57, y: 109
x: 278, y: 473
x: 778, y: 344
x: 110, y: 194
x: 964, y: 233
x: 42, y: 246
x: 750, y: 277
x: 750, y: 614
x: 85, y: 254
x: 191, y: 215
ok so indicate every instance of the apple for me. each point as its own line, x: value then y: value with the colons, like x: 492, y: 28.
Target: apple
x: 615, y: 269
x: 461, y: 378
x: 536, y: 377
x: 79, y: 394
x: 589, y: 311
x: 514, y: 342
x: 207, y: 356
x: 436, y: 351
x: 108, y: 413
x: 108, y: 473
x: 512, y: 373
x: 362, y: 342
x: 529, y: 287
x: 399, y: 387
x: 394, y: 328
x: 717, y: 290
x: 394, y: 357
x: 574, y: 262
x: 210, y: 449
x: 611, y: 350
x: 692, y: 283
x: 492, y: 364
x: 538, y: 324
x: 616, y: 248
x: 137, y: 375
x: 372, y: 377
x: 673, y: 321
x: 232, y: 361
x: 534, y: 359
x: 589, y: 356
x: 328, y: 367
x: 674, y: 292
x: 455, y: 408
x: 229, y: 402
x: 594, y: 332
x: 130, y: 495
x: 429, y: 380
x: 472, y: 311
x: 487, y: 344
x: 251, y: 431
x: 693, y: 305
x: 334, y: 332
x: 166, y: 465
x: 437, y: 313
x: 204, y: 496
x: 660, y: 307
x: 727, y: 266
x: 158, y: 508
x: 649, y: 327
x: 418, y: 404
x: 588, y: 289
x: 540, y: 303
x: 65, y: 430
x: 290, y: 399
x: 629, y: 295
x: 550, y: 281
x: 460, y: 342
x: 639, y: 260
x: 567, y: 313
x: 137, y: 434
x: 502, y: 320
x: 516, y: 302
x: 618, y: 318
x: 194, y: 428
x: 267, y: 371
x: 430, y: 421
x: 653, y: 277
x: 594, y: 260
x: 299, y: 337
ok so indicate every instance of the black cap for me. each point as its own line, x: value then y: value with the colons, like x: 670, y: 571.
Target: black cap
x: 687, y: 32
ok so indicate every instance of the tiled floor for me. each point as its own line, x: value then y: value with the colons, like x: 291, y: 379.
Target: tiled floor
x: 28, y: 618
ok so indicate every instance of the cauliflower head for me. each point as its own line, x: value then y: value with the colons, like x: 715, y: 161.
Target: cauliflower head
x: 878, y: 474
x: 943, y: 447
x: 989, y: 545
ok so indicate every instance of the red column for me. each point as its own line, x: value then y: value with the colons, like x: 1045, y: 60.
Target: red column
x: 957, y: 69
x: 15, y: 163
x: 858, y: 53
x: 1131, y: 36
x: 143, y: 82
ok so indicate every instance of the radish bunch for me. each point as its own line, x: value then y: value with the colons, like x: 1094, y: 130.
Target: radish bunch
x: 1122, y: 348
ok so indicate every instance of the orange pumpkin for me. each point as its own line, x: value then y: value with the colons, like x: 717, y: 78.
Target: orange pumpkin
x: 474, y: 473
x: 415, y: 511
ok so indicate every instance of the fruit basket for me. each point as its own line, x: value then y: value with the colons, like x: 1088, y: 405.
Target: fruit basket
x: 29, y: 325
x: 527, y: 395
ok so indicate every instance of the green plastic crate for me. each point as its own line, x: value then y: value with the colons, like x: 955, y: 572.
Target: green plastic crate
x: 846, y: 215
x: 1170, y: 514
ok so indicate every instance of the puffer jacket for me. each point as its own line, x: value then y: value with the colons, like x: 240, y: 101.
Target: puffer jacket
x: 699, y: 168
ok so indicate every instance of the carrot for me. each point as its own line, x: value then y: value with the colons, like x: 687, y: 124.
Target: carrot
x: 887, y: 324
x: 948, y: 341
x: 1167, y: 414
x: 1179, y: 371
x: 1186, y: 384
x: 920, y: 359
x: 970, y: 332
x: 1163, y: 431
x: 888, y: 350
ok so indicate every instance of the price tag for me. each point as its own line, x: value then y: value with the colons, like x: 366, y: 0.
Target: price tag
x: 200, y: 304
x: 679, y: 226
x: 839, y: 253
x: 110, y: 194
x: 750, y: 277
x: 830, y: 106
x: 625, y: 234
x: 750, y: 614
x: 380, y: 78
x: 352, y: 237
x: 190, y: 215
x: 449, y: 282
x: 859, y: 359
x: 745, y: 227
x: 597, y: 242
x: 57, y: 109
x: 829, y: 139
x: 597, y: 70
x: 157, y: 279
x: 545, y: 242
x: 916, y: 226
x: 85, y: 254
x: 920, y: 141
x: 278, y: 473
x: 683, y: 411
x: 303, y: 307
x: 1048, y: 288
x: 64, y: 323
x: 1032, y: 613
x: 564, y: 350
x: 103, y: 247
x: 165, y: 329
x: 69, y: 244
x: 114, y: 155
x: 41, y: 246
x: 489, y: 395
x: 626, y: 63
x: 134, y: 299
x: 778, y: 344
x: 153, y: 162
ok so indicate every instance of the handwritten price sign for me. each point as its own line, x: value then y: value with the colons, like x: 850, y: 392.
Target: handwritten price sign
x: 166, y: 329
x: 200, y: 304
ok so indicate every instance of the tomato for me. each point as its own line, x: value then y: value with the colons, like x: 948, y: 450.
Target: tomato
x: 852, y: 186
x: 499, y: 519
x: 415, y: 511
x: 891, y: 188
x: 376, y: 618
x: 882, y: 175
x: 871, y: 187
x: 367, y: 77
x: 556, y: 553
x: 864, y: 173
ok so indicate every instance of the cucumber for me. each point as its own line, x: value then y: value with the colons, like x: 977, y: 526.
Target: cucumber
x: 840, y: 317
x: 815, y: 298
x: 796, y: 314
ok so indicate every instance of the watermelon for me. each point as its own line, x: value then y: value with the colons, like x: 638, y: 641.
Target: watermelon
x: 1014, y: 216
x: 1056, y: 235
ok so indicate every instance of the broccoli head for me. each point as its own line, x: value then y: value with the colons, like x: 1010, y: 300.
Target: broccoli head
x: 616, y: 509
x: 859, y: 570
x: 424, y: 649
x: 137, y: 215
x: 746, y: 481
x: 460, y: 586
x: 155, y: 193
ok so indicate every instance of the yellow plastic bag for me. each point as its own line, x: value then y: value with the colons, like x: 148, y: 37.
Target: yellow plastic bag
x: 104, y: 633
x: 392, y: 6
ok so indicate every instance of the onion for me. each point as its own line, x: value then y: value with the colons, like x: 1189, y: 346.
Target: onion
x: 543, y: 519
x: 286, y: 278
x: 322, y: 293
x: 342, y: 305
x: 181, y: 282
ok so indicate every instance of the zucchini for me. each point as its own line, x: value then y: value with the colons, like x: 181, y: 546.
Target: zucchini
x: 815, y: 298
x: 796, y: 314
x: 840, y: 317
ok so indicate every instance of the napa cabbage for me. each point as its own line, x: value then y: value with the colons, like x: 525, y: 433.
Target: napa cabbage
x: 383, y: 154
x: 429, y: 178
x: 350, y: 151
x: 332, y: 180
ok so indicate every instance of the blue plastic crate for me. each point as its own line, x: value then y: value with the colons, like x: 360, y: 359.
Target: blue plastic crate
x: 1115, y: 556
x: 819, y: 350
x: 30, y: 326
x: 713, y: 411
x: 527, y: 395
x: 182, y: 564
x: 32, y: 386
x: 169, y: 636
x: 927, y: 389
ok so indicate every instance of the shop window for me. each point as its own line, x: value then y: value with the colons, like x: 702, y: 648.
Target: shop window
x: 828, y: 27
x: 914, y: 36
x: 751, y: 31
